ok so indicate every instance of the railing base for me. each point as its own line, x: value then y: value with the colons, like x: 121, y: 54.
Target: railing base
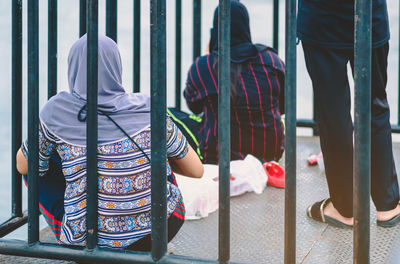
x: 12, y: 224
x: 52, y: 251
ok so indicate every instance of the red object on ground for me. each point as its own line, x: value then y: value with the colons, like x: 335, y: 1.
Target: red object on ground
x: 276, y: 174
x: 312, y: 160
x: 231, y: 178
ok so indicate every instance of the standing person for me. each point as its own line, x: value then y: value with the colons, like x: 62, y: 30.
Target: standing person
x: 257, y: 81
x: 124, y: 148
x: 326, y: 29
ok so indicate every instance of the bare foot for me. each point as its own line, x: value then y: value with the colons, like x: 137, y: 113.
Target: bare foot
x: 387, y: 215
x: 331, y: 211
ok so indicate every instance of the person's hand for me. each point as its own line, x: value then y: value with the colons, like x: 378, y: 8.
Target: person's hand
x: 22, y: 163
x: 189, y: 166
x: 208, y: 48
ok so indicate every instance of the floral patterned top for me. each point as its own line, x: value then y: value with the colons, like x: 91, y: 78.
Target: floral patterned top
x: 124, y: 186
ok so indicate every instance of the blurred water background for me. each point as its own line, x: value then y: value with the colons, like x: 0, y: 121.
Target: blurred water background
x: 68, y: 30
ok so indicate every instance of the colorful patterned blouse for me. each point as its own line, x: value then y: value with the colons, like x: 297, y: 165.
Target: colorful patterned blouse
x: 124, y: 180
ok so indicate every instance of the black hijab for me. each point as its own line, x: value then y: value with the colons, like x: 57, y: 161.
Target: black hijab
x: 242, y: 49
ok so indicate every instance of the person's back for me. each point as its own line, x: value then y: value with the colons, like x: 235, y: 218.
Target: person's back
x: 256, y: 126
x: 124, y: 153
x: 124, y: 191
x: 257, y: 78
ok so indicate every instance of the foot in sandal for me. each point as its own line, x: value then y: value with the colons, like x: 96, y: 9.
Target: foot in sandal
x: 388, y: 218
x: 325, y: 212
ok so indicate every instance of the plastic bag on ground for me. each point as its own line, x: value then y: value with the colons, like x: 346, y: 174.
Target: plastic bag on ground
x: 200, y: 196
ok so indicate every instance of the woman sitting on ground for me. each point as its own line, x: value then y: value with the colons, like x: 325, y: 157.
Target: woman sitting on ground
x: 257, y: 82
x: 124, y: 177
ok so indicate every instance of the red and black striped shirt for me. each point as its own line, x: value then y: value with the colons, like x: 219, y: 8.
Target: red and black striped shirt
x: 256, y: 126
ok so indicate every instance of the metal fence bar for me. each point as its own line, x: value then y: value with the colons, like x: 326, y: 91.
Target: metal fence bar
x: 398, y: 81
x: 112, y: 19
x: 82, y: 17
x: 52, y: 49
x: 395, y: 128
x: 196, y: 28
x: 13, y: 224
x: 178, y: 53
x: 290, y: 153
x: 315, y: 117
x: 309, y: 123
x: 136, y: 46
x: 158, y: 129
x: 224, y: 150
x: 16, y: 121
x: 275, y: 40
x: 92, y: 82
x: 52, y: 251
x: 33, y: 121
x: 362, y: 130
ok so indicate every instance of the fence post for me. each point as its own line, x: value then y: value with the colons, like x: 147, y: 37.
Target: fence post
x: 315, y: 117
x: 362, y: 129
x: 178, y: 53
x: 52, y: 49
x: 158, y: 129
x: 16, y: 123
x: 290, y: 153
x: 196, y: 28
x: 224, y: 150
x: 398, y: 81
x: 91, y: 125
x: 82, y: 17
x: 275, y: 40
x: 112, y: 19
x: 33, y: 121
x: 136, y: 46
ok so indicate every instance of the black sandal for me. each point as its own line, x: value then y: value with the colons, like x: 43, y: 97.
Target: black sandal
x: 316, y: 212
x: 389, y: 223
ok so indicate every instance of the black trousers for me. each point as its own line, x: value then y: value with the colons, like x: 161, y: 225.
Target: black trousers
x: 328, y: 71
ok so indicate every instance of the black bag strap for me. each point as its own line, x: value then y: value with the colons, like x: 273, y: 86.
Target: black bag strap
x: 83, y: 119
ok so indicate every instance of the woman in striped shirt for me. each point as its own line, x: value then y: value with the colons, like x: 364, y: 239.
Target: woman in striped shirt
x: 124, y: 175
x: 257, y: 82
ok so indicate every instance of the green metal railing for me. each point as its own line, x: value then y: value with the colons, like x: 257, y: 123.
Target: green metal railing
x: 362, y: 129
x: 290, y: 133
x: 89, y: 23
x: 224, y: 129
x: 136, y: 45
x: 158, y: 85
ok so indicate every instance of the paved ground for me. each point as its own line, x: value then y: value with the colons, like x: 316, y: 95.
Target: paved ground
x: 257, y: 226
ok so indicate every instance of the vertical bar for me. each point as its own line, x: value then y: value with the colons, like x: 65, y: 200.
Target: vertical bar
x: 178, y: 53
x: 52, y: 49
x: 275, y: 40
x: 136, y: 46
x: 111, y: 19
x: 398, y: 69
x: 158, y: 85
x: 290, y: 153
x: 224, y: 151
x: 16, y: 123
x: 362, y: 130
x: 92, y: 66
x: 315, y: 117
x: 33, y: 121
x: 82, y: 18
x: 196, y: 28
